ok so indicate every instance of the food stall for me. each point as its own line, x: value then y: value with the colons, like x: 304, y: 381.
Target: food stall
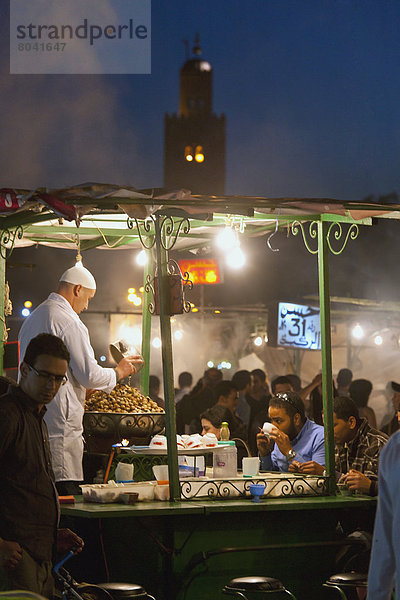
x: 175, y: 531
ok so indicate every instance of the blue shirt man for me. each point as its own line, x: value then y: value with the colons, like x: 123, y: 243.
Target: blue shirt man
x: 293, y: 437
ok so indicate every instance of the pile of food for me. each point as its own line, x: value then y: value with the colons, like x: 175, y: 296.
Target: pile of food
x: 123, y: 399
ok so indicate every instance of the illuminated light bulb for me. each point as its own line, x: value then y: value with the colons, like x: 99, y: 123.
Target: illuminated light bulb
x: 210, y: 364
x: 199, y: 157
x: 227, y: 239
x: 141, y: 290
x: 358, y: 332
x: 189, y: 157
x: 258, y: 341
x: 28, y: 304
x: 211, y: 276
x: 137, y: 301
x: 142, y: 258
x: 265, y: 338
x: 219, y: 366
x: 195, y: 310
x: 236, y: 258
x: 178, y: 335
x: 131, y: 298
x: 103, y: 358
x: 228, y: 365
x: 217, y: 312
x: 156, y: 343
x: 378, y: 340
x: 131, y: 291
x: 25, y: 312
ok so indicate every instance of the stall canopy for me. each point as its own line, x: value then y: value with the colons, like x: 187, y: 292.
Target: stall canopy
x: 98, y: 212
x: 109, y: 216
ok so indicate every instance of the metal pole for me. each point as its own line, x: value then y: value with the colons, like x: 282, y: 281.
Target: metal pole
x: 2, y: 311
x: 146, y: 326
x: 166, y: 353
x: 326, y: 353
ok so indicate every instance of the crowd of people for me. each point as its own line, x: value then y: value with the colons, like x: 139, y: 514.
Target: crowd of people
x: 296, y: 442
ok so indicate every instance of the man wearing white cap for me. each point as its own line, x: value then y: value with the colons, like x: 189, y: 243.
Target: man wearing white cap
x: 59, y: 315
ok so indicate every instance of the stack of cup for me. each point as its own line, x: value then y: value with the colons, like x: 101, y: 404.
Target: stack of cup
x: 251, y: 466
x: 161, y: 474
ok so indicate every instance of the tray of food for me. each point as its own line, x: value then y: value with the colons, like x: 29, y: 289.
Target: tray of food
x: 124, y: 414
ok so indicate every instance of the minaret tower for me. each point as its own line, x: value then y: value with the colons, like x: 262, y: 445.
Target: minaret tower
x: 194, y: 144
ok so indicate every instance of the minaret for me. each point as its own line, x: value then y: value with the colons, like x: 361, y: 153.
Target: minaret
x: 194, y: 144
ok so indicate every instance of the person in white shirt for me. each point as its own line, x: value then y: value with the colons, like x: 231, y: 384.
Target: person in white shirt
x: 59, y: 315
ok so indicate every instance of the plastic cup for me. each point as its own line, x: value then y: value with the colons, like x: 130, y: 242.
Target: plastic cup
x: 161, y: 474
x: 251, y: 466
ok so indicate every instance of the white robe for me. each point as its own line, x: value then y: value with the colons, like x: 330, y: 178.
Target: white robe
x: 64, y: 416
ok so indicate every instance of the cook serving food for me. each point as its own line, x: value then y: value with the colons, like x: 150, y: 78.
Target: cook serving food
x: 59, y: 315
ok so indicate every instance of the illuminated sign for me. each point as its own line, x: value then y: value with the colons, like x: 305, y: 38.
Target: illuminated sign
x: 201, y: 270
x: 299, y: 326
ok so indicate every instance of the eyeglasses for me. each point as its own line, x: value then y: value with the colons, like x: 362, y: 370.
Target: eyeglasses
x: 46, y: 376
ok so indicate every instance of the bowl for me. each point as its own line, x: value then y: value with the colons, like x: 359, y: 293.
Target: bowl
x: 256, y: 490
x: 103, y: 429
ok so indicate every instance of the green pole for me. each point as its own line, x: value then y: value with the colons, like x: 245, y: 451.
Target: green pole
x: 2, y: 311
x: 326, y: 353
x: 146, y: 326
x: 166, y: 354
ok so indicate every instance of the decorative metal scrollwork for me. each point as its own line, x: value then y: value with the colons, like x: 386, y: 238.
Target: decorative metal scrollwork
x: 337, y: 230
x: 274, y: 487
x: 312, y: 231
x: 178, y: 284
x: 8, y: 239
x: 145, y: 229
x: 187, y: 284
x: 149, y: 288
x: 171, y: 229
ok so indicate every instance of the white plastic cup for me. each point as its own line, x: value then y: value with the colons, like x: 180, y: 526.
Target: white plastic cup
x: 161, y: 474
x: 124, y: 472
x: 250, y: 466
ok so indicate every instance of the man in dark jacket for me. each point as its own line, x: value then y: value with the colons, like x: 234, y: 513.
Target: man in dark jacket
x: 29, y: 509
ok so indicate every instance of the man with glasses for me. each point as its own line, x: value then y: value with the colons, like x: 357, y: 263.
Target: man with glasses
x: 59, y: 315
x: 294, y: 438
x: 29, y: 511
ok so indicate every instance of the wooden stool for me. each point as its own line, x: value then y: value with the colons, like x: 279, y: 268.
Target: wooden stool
x: 241, y: 586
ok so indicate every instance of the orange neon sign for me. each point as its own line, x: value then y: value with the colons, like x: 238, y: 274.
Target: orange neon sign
x: 201, y: 270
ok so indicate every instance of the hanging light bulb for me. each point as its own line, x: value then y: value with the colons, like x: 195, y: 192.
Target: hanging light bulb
x: 236, y: 258
x: 227, y: 238
x: 358, y: 332
x: 142, y: 258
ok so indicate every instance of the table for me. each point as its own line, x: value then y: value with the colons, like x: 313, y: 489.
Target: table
x: 188, y: 550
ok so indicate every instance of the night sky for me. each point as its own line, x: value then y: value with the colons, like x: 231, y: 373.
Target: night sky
x: 310, y: 90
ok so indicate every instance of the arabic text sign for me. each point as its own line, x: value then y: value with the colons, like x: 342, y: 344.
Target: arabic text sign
x: 299, y: 326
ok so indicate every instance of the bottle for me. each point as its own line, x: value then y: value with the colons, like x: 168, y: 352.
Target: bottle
x: 225, y: 433
x: 225, y: 460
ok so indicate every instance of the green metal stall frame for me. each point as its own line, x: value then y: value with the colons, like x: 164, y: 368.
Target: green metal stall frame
x: 160, y: 231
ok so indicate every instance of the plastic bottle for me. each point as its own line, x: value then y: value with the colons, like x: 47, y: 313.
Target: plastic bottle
x: 225, y: 433
x: 225, y: 460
